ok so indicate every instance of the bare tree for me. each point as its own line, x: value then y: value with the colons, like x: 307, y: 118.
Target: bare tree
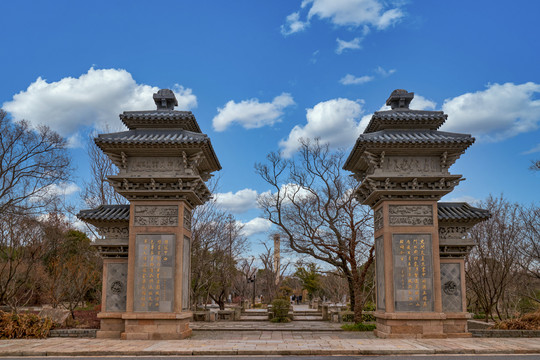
x: 217, y: 244
x: 334, y: 286
x: 21, y: 254
x: 313, y: 206
x: 492, y: 267
x: 32, y: 161
x: 97, y: 190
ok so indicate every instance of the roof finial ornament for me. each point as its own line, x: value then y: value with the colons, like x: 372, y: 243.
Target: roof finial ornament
x: 400, y: 99
x: 165, y: 100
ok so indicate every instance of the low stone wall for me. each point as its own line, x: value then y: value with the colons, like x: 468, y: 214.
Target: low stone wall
x: 479, y: 324
x: 73, y: 333
x: 505, y: 333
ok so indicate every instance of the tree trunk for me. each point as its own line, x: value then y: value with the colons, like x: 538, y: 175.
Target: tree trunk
x: 350, y: 282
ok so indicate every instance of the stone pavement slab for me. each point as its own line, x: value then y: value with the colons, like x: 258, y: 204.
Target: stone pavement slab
x: 270, y: 346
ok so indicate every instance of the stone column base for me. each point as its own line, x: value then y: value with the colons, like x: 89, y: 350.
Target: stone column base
x: 156, y: 326
x: 410, y: 325
x: 111, y: 327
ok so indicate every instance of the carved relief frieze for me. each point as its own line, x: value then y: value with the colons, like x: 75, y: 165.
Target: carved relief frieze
x: 410, y: 215
x: 181, y: 165
x: 154, y: 164
x: 114, y: 232
x: 156, y: 215
x: 378, y: 219
x: 452, y: 232
x: 454, y: 251
x: 187, y: 219
x: 369, y: 185
x: 410, y: 164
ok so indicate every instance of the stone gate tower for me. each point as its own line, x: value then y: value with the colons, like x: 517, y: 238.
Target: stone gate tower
x: 402, y: 163
x: 163, y: 161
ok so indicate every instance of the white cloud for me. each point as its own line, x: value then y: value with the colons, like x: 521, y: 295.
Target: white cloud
x: 334, y: 121
x: 251, y: 113
x: 287, y: 192
x: 92, y: 100
x: 293, y: 24
x: 421, y: 103
x: 496, y: 113
x: 354, y: 12
x: 343, y: 45
x: 353, y: 80
x: 239, y: 202
x: 533, y: 150
x: 255, y: 226
x: 54, y: 190
x: 383, y: 72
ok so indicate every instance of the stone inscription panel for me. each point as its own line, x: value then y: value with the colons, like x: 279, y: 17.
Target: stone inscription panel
x: 379, y: 268
x: 451, y: 287
x: 410, y: 215
x: 413, y: 272
x: 154, y: 273
x: 116, y: 286
x: 156, y: 215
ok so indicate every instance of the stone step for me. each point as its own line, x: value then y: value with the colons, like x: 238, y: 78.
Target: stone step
x: 307, y: 313
x: 307, y: 318
x: 254, y: 318
x: 252, y: 313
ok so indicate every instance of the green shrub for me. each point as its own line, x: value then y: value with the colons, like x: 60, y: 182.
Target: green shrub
x: 23, y: 326
x: 369, y: 306
x: 280, y: 308
x: 348, y: 316
x: 368, y: 317
x: 358, y: 327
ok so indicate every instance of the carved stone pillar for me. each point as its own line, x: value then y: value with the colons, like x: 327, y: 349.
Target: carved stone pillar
x: 402, y: 163
x: 163, y: 162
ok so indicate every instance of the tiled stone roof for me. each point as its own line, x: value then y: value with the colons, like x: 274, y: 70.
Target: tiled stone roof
x: 105, y: 213
x: 405, y: 119
x: 183, y: 120
x: 448, y: 211
x: 460, y: 211
x: 414, y: 137
x: 152, y: 137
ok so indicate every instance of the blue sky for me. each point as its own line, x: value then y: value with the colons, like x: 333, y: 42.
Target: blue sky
x: 259, y: 74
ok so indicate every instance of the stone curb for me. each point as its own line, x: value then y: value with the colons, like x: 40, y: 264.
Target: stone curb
x: 268, y: 352
x: 493, y: 333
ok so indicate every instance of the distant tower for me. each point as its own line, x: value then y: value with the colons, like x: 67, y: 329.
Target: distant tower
x: 276, y: 257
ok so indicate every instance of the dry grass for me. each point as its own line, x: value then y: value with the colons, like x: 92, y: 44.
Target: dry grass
x: 530, y: 321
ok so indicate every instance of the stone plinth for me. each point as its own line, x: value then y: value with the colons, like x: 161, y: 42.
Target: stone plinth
x: 156, y: 326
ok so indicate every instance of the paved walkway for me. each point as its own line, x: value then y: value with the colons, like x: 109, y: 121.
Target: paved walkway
x: 98, y: 347
x: 266, y: 326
